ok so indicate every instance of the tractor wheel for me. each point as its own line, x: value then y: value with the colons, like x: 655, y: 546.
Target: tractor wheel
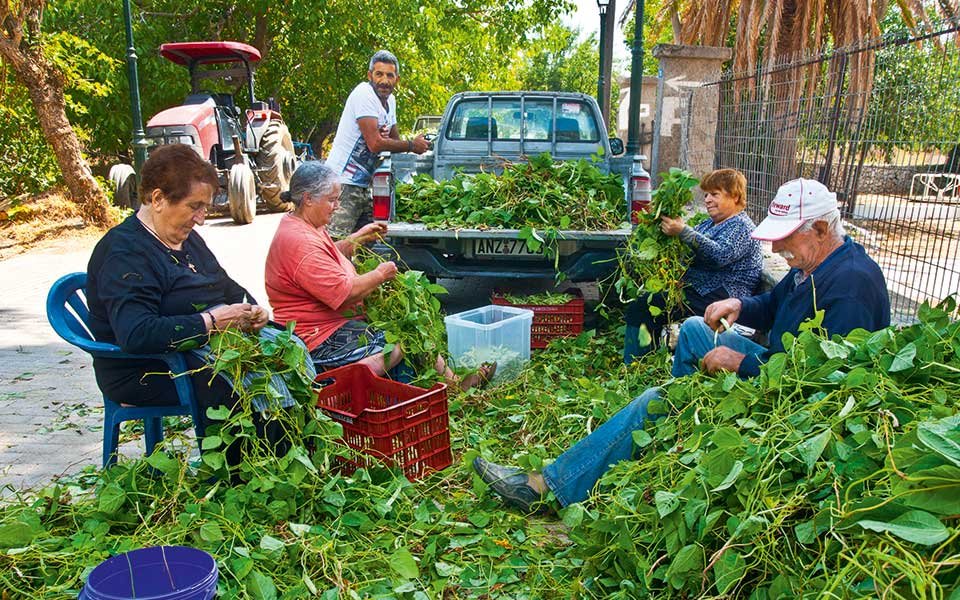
x: 276, y: 162
x: 242, y: 194
x: 123, y: 181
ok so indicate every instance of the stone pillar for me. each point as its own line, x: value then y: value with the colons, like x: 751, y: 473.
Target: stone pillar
x: 648, y: 100
x: 686, y: 111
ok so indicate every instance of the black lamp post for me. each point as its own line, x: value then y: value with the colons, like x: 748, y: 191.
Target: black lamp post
x: 602, y: 97
x: 139, y: 137
x: 636, y: 82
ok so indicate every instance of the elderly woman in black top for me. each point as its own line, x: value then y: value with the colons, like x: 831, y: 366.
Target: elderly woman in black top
x: 726, y: 261
x: 153, y: 284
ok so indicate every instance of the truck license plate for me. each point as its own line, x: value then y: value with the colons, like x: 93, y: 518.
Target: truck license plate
x: 502, y: 248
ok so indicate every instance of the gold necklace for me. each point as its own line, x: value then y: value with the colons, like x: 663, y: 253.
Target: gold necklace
x: 170, y: 249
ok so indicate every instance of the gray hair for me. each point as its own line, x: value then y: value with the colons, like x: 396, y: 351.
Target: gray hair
x: 833, y: 221
x: 312, y: 177
x: 384, y: 56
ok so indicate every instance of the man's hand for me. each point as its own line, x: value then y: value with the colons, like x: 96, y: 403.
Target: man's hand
x: 728, y: 310
x: 671, y: 227
x: 370, y: 232
x: 387, y: 270
x: 420, y: 144
x: 722, y: 358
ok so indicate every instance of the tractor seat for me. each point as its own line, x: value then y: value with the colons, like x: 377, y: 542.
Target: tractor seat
x: 226, y: 101
x: 202, y: 98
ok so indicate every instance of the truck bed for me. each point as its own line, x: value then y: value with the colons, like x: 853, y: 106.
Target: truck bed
x: 419, y: 230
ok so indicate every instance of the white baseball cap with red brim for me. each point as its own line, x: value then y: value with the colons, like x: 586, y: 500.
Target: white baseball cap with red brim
x: 796, y: 201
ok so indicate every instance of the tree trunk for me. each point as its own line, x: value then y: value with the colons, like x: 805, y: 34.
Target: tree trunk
x: 45, y: 85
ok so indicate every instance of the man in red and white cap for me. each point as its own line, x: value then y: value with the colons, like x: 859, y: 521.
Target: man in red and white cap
x: 829, y: 272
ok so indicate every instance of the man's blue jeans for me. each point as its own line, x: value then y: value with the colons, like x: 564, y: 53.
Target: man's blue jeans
x: 696, y: 339
x: 576, y: 471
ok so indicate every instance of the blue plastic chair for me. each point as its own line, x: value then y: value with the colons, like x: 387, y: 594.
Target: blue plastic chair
x: 71, y: 325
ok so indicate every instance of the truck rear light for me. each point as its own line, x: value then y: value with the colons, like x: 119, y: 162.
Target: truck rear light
x: 639, y: 197
x: 381, y: 196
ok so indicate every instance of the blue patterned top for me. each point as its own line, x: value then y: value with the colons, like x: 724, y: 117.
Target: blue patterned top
x: 725, y: 256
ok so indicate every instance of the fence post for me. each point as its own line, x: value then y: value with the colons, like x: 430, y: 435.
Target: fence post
x: 683, y: 69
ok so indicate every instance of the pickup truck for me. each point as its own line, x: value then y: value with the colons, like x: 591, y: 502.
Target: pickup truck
x: 477, y: 131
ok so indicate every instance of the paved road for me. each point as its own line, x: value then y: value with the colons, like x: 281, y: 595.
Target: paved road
x: 49, y: 403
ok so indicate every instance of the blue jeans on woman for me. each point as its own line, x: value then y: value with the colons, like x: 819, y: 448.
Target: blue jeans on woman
x: 696, y: 339
x: 574, y: 473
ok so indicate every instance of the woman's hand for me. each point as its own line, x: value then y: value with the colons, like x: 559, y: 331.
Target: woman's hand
x: 244, y: 316
x: 259, y: 316
x: 671, y: 227
x: 387, y: 270
x: 370, y: 232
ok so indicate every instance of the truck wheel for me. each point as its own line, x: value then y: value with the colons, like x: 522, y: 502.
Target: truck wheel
x: 123, y: 181
x: 242, y: 194
x: 276, y: 162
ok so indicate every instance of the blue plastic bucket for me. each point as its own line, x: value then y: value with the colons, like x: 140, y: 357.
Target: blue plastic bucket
x: 158, y: 573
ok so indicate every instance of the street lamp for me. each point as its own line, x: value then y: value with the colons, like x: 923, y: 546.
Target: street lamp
x: 636, y: 81
x: 139, y: 138
x: 603, y: 98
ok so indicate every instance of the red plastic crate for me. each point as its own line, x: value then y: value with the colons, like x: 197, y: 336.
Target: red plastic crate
x: 396, y: 423
x: 552, y: 320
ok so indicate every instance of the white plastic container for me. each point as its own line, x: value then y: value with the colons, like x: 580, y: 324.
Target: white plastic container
x: 499, y: 334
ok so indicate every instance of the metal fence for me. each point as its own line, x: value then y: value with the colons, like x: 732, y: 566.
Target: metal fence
x: 880, y: 125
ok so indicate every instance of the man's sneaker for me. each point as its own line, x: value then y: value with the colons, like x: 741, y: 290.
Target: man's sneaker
x: 510, y: 483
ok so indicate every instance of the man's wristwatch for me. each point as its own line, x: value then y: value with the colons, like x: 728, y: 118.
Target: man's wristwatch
x: 409, y: 145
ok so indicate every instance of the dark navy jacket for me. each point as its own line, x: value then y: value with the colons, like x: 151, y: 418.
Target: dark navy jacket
x: 146, y: 298
x: 850, y: 289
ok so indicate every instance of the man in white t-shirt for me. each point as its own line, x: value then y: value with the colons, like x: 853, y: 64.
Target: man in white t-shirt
x: 368, y: 126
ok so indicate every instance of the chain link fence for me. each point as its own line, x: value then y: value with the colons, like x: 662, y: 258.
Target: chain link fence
x: 879, y: 124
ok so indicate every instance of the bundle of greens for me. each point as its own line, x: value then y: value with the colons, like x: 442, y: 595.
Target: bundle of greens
x: 541, y: 299
x: 407, y: 310
x: 541, y: 194
x: 256, y: 360
x: 652, y: 262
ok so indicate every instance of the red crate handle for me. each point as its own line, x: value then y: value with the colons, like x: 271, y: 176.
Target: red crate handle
x: 420, y: 408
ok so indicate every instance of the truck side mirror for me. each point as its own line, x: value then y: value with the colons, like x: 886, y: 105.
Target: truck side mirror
x: 616, y: 146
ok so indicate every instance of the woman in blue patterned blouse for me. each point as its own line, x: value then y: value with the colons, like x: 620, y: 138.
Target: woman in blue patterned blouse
x: 726, y: 263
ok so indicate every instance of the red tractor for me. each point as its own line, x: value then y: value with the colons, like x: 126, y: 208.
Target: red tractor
x: 252, y: 151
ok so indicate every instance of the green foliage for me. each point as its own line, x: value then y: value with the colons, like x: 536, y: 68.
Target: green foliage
x: 541, y: 299
x: 27, y: 164
x: 840, y: 461
x: 407, y: 310
x: 287, y: 529
x: 914, y: 93
x: 540, y: 198
x: 558, y: 62
x: 652, y: 262
x: 827, y: 475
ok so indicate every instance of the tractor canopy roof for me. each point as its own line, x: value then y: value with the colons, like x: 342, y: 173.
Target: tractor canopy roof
x: 187, y: 53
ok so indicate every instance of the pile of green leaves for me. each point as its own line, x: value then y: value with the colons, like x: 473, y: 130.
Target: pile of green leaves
x: 835, y: 473
x: 740, y: 471
x: 541, y: 195
x: 652, y: 262
x: 540, y: 299
x: 292, y: 530
x: 407, y: 310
